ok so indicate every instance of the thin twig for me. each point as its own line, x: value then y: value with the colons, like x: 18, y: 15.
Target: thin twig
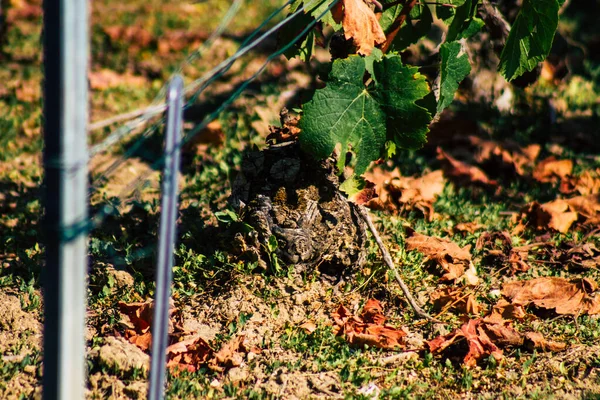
x: 390, y: 263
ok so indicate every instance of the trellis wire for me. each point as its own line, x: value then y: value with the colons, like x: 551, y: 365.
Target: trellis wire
x: 136, y: 183
x: 203, y: 82
x: 213, y: 74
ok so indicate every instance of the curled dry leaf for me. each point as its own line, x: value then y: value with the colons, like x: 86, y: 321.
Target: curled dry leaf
x: 467, y: 227
x: 230, y: 355
x: 452, y: 258
x: 463, y: 173
x: 536, y: 341
x: 585, y: 184
x: 308, y: 327
x: 361, y: 25
x: 552, y: 170
x: 560, y: 214
x: 479, y: 343
x: 555, y: 215
x: 506, y: 156
x: 396, y: 193
x: 486, y: 337
x: 498, y: 249
x: 137, y: 318
x: 455, y: 299
x: 572, y: 297
x: 188, y: 355
x: 368, y: 329
x: 503, y: 310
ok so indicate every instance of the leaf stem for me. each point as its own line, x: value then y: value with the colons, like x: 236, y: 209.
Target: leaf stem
x: 387, y: 258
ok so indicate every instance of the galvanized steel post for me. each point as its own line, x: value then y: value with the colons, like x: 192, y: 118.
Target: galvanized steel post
x: 166, y: 238
x: 65, y: 161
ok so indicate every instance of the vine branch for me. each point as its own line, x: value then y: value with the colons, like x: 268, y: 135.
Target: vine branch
x: 387, y: 258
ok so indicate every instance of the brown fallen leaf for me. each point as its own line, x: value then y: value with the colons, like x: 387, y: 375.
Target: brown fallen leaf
x: 504, y: 156
x: 498, y: 250
x: 361, y: 25
x: 572, y: 297
x: 463, y: 173
x: 137, y: 318
x: 448, y: 255
x: 551, y: 170
x: 587, y: 206
x: 229, y: 356
x: 188, y: 355
x: 555, y: 215
x: 585, y: 184
x: 288, y: 130
x: 107, y: 79
x: 455, y: 299
x: 479, y: 343
x: 399, y: 193
x: 536, y: 341
x: 368, y: 329
x: 504, y: 310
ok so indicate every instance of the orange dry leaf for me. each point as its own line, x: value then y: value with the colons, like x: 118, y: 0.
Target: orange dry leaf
x: 361, y: 25
x: 538, y: 342
x: 554, y: 215
x: 462, y: 172
x: 368, y: 329
x: 585, y: 184
x: 448, y: 255
x: 188, y: 355
x: 498, y: 249
x: 564, y: 296
x: 551, y: 170
x: 397, y: 192
x: 504, y: 155
x: 480, y: 344
x: 504, y: 310
x: 560, y: 214
x: 229, y: 356
x: 140, y: 318
x: 455, y: 298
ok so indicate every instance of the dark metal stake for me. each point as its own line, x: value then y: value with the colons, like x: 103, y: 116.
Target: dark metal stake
x: 65, y: 198
x: 166, y: 239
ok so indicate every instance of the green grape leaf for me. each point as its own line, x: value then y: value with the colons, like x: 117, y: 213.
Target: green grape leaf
x: 410, y: 33
x: 398, y: 89
x: 455, y: 67
x: 446, y: 13
x: 376, y: 55
x: 389, y: 15
x: 304, y: 47
x: 461, y: 22
x: 530, y: 38
x: 344, y: 112
x: 315, y: 8
x: 363, y: 118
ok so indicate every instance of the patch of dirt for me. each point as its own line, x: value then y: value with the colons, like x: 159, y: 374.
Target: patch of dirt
x: 119, y: 354
x: 20, y: 337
